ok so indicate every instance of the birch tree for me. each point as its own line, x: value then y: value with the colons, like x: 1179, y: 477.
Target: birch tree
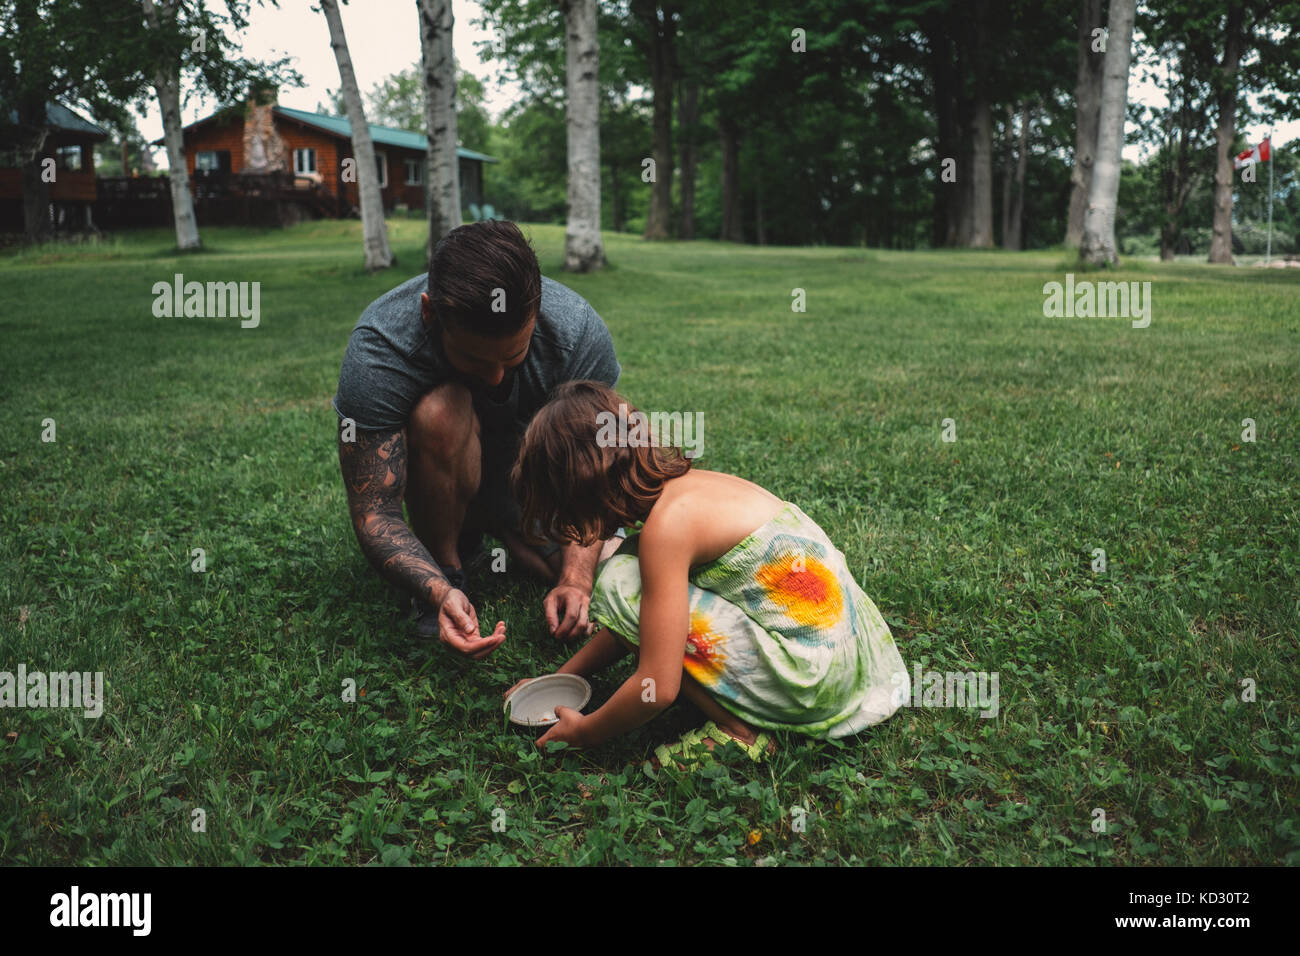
x: 375, y: 230
x: 161, y: 18
x: 1087, y: 107
x: 190, y: 40
x: 1098, y: 244
x: 442, y: 175
x: 583, y: 249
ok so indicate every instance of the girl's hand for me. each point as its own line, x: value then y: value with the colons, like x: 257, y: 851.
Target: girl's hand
x: 568, y: 730
x: 518, y: 685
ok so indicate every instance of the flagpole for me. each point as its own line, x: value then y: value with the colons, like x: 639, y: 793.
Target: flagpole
x: 1268, y: 245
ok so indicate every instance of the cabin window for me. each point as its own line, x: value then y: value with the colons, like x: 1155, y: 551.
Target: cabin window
x: 381, y: 164
x: 212, y: 161
x: 69, y: 158
x: 412, y: 172
x: 304, y: 162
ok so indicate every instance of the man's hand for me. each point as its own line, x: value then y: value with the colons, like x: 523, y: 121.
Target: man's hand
x: 568, y: 730
x: 566, y: 605
x: 566, y: 611
x: 458, y: 628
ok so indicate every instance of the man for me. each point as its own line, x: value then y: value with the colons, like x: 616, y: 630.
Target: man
x: 439, y: 382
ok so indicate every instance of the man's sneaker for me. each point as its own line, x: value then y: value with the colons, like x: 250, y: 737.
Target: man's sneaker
x: 458, y: 579
x: 471, y: 550
x: 425, y: 618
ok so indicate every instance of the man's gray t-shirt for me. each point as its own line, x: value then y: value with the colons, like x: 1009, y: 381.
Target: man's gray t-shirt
x: 393, y: 359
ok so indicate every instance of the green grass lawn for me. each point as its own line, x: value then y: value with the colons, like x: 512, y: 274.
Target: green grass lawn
x: 1119, y: 690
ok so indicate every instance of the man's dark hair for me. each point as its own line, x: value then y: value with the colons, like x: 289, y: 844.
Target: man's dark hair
x: 470, y: 264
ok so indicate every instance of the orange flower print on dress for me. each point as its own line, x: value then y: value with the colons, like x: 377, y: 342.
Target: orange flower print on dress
x: 804, y: 588
x: 704, y: 656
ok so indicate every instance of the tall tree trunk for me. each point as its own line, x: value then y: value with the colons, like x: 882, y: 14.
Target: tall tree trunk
x: 1168, y: 237
x: 617, y: 218
x: 1097, y: 246
x: 981, y: 135
x: 1177, y: 178
x: 32, y: 75
x: 688, y: 114
x: 944, y: 212
x: 662, y: 68
x: 378, y: 254
x: 442, y: 172
x: 760, y: 228
x: 965, y: 182
x: 728, y: 136
x: 1087, y: 111
x: 1225, y: 132
x: 1008, y: 169
x: 36, y: 201
x: 966, y: 65
x: 166, y: 84
x: 1013, y: 236
x: 36, y: 191
x: 981, y: 193
x: 583, y: 249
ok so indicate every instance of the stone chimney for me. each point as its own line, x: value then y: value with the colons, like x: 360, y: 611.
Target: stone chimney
x: 264, y: 150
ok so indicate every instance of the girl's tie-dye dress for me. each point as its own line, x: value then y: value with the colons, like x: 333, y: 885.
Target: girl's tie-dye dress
x: 780, y: 635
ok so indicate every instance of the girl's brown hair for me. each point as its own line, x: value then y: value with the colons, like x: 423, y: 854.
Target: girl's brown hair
x: 570, y: 486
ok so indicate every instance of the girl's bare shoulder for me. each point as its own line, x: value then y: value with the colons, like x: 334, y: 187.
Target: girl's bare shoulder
x: 710, y: 488
x: 709, y: 513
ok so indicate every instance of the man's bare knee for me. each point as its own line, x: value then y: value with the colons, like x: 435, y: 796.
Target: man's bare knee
x: 442, y: 435
x: 442, y: 419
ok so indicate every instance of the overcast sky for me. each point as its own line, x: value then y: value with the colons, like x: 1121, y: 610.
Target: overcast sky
x: 384, y: 37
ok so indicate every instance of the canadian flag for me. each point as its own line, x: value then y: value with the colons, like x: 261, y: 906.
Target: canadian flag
x: 1256, y: 154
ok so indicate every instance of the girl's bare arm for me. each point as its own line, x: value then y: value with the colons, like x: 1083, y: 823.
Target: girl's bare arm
x: 665, y: 560
x: 594, y: 656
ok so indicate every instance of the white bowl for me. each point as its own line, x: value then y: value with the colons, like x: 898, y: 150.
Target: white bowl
x: 533, y: 704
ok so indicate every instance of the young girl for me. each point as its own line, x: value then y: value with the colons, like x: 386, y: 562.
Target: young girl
x: 736, y: 599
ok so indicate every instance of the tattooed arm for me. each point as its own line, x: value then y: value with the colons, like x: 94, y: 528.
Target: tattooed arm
x: 374, y: 473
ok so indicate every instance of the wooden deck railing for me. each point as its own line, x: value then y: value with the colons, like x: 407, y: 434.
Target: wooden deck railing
x: 219, y: 198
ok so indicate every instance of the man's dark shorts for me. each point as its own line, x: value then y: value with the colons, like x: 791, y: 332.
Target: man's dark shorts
x: 499, y: 438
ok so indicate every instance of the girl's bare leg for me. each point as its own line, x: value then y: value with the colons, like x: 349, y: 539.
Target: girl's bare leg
x: 528, y: 556
x: 547, y: 568
x: 727, y: 722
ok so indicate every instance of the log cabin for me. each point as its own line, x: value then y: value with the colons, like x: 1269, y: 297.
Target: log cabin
x: 70, y: 145
x: 255, y: 140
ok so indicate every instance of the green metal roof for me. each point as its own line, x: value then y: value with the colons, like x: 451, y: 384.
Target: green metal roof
x: 382, y: 135
x: 59, y: 117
